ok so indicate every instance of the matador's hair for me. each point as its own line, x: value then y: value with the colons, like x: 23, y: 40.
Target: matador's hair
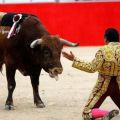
x: 111, y: 35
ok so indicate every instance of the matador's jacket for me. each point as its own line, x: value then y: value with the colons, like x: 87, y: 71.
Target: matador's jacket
x: 107, y: 63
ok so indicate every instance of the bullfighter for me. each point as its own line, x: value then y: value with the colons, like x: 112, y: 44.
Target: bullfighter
x: 107, y: 63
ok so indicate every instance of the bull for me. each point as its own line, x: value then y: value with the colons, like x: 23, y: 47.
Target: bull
x: 30, y: 50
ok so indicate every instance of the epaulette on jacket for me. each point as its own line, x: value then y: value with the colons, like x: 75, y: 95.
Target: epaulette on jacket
x: 108, y: 53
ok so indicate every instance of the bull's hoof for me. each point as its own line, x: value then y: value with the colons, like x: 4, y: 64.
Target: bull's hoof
x: 40, y: 105
x: 9, y: 107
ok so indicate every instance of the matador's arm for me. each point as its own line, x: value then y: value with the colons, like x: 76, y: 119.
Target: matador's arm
x: 90, y: 67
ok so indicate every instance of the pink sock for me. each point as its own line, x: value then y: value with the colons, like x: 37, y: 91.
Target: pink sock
x: 97, y: 113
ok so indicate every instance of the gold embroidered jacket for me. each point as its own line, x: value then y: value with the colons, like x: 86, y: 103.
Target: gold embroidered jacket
x: 106, y: 62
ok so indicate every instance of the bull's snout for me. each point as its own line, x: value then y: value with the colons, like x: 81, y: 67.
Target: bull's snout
x: 57, y: 70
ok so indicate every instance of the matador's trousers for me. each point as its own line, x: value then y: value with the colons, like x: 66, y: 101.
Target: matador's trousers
x: 95, y: 99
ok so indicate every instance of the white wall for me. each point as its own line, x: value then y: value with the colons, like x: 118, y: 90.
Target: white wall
x: 43, y: 0
x: 24, y: 1
x: 15, y: 1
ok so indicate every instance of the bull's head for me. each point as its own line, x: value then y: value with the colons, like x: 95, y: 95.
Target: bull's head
x: 50, y: 47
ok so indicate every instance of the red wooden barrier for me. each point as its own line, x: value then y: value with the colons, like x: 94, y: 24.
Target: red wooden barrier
x: 83, y: 22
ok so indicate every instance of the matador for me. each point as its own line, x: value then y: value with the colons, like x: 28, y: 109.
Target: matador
x: 107, y: 63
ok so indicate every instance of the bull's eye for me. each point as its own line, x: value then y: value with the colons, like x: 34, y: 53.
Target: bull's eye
x: 47, y: 53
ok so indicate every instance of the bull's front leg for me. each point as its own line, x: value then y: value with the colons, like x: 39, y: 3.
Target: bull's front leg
x: 35, y: 85
x: 10, y: 73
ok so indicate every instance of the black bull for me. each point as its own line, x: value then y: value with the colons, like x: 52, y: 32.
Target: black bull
x: 29, y: 51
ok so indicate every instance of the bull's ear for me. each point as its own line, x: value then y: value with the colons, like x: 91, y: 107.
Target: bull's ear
x: 68, y: 43
x: 35, y: 43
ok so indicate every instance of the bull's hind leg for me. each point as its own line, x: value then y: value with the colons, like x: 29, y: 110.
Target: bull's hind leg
x: 35, y: 85
x: 10, y: 73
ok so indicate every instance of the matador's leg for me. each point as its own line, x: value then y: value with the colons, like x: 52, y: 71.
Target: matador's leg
x: 97, y: 96
x: 87, y: 113
x: 115, y: 93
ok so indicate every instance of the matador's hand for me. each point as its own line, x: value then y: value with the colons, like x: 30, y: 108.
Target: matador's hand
x: 69, y: 56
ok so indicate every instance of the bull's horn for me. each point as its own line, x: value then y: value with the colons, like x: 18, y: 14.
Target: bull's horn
x: 35, y: 43
x: 68, y: 43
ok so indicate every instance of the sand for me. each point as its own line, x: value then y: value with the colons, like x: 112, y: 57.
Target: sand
x: 64, y: 99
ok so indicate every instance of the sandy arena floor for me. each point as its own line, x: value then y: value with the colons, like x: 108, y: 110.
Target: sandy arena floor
x: 64, y: 99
